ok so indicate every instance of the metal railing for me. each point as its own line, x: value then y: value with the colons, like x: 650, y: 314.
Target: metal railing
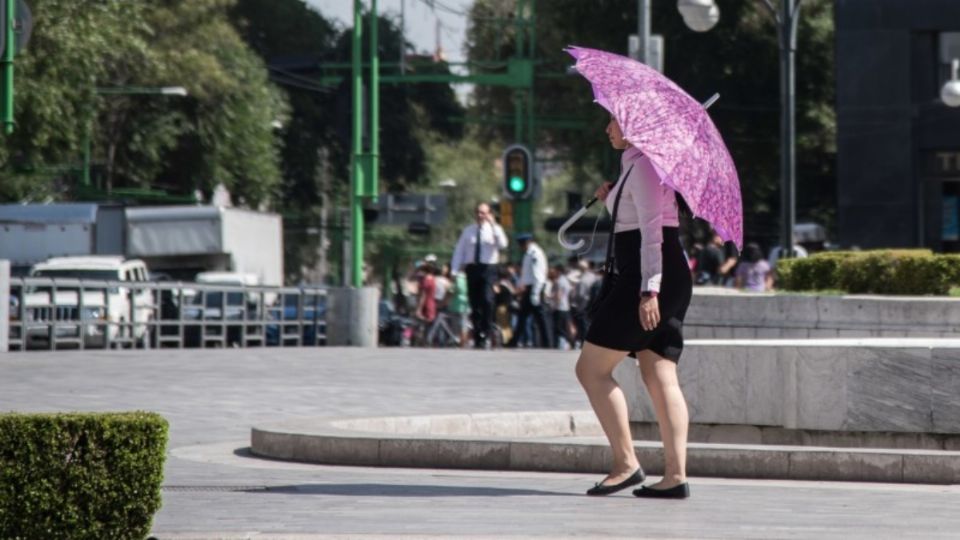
x: 59, y: 313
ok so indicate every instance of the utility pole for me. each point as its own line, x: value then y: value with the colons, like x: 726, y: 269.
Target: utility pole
x: 523, y: 126
x: 787, y: 21
x: 365, y: 165
x: 9, y: 51
x: 643, y: 30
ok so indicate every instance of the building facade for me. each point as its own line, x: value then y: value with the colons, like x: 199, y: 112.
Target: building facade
x: 898, y: 144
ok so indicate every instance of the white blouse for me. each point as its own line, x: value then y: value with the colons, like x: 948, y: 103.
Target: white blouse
x: 648, y: 205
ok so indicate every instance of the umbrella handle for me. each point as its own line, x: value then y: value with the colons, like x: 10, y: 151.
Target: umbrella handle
x: 573, y: 246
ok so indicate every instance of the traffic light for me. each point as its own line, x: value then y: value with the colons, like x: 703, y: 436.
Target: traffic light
x: 517, y: 173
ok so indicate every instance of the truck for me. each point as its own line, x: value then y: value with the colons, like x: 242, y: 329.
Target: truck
x: 180, y: 241
x: 186, y: 240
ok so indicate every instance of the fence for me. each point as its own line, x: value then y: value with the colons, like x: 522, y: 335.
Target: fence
x: 55, y: 314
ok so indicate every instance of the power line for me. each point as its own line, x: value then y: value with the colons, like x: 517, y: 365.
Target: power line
x: 434, y: 4
x: 279, y: 79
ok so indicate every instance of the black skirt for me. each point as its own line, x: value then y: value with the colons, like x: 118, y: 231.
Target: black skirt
x: 617, y: 323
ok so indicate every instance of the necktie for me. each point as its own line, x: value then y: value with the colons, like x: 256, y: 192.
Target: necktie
x: 476, y: 248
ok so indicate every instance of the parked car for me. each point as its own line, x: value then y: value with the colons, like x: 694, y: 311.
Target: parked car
x: 287, y: 310
x: 205, y: 309
x: 100, y: 313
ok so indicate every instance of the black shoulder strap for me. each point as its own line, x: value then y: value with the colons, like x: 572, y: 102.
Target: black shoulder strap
x: 608, y: 264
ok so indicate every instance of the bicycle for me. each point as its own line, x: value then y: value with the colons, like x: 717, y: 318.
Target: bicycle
x: 439, y: 332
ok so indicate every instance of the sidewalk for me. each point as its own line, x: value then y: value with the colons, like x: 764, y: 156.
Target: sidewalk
x: 214, y: 489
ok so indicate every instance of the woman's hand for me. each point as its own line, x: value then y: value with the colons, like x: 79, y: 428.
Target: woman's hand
x: 603, y: 191
x: 649, y: 312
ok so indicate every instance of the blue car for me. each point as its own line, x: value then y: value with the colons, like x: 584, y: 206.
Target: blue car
x: 313, y: 320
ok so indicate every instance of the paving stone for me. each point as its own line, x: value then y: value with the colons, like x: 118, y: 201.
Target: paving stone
x: 213, y: 489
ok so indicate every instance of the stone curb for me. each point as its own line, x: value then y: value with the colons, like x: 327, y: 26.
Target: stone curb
x: 572, y: 442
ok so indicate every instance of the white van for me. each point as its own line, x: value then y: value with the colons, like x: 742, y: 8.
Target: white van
x: 116, y: 304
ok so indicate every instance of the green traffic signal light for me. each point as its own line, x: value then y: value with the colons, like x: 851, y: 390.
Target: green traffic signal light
x: 517, y: 172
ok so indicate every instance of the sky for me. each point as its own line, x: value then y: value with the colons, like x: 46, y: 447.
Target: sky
x: 420, y: 21
x: 420, y: 26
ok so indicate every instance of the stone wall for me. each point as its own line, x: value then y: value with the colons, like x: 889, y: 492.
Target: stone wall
x: 842, y: 385
x: 718, y: 314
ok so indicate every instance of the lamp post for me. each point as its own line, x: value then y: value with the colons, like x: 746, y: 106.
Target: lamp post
x: 787, y: 19
x: 123, y: 91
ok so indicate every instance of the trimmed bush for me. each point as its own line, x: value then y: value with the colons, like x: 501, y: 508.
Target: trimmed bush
x: 907, y: 271
x: 80, y: 476
x: 814, y: 273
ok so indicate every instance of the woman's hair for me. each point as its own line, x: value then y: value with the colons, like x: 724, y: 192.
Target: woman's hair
x: 752, y: 253
x: 684, y: 208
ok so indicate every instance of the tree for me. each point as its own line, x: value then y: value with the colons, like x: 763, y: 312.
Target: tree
x: 225, y: 125
x: 221, y: 133
x: 55, y: 81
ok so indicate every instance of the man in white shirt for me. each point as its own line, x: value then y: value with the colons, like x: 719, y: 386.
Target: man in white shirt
x: 561, y: 292
x: 477, y: 254
x: 533, y: 278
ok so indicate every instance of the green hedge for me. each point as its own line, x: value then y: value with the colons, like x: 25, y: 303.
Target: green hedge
x: 80, y: 476
x: 913, y: 271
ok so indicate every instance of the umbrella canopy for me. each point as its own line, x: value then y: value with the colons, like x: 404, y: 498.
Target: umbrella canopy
x: 674, y: 131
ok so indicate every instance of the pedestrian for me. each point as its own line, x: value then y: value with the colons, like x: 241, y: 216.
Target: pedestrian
x: 641, y: 316
x: 460, y: 307
x: 426, y: 300
x: 580, y: 298
x: 504, y: 293
x: 753, y: 272
x: 717, y: 261
x: 444, y: 283
x: 533, y: 279
x: 477, y: 254
x: 562, y: 321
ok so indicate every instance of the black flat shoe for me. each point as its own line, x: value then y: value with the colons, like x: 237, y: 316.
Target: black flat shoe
x: 680, y: 491
x: 600, y: 489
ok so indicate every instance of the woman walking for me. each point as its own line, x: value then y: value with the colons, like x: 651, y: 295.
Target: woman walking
x: 672, y: 149
x: 641, y: 316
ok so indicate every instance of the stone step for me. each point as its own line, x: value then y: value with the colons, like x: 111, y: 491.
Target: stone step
x: 572, y: 442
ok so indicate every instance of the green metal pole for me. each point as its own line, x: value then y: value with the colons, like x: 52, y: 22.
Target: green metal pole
x: 8, y: 54
x: 86, y: 157
x: 356, y: 209
x: 374, y: 163
x: 527, y: 207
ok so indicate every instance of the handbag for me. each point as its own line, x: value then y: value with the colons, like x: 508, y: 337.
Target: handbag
x: 608, y: 272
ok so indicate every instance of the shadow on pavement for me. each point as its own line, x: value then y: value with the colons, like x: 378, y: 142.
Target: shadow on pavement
x: 401, y: 490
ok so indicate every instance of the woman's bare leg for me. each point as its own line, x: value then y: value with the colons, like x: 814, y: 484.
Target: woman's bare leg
x: 660, y: 378
x: 595, y: 373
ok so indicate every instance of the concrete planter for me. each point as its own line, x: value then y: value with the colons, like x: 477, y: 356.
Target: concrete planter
x: 836, y: 385
x: 717, y: 314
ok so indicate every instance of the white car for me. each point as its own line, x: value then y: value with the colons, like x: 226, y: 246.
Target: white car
x: 115, y: 303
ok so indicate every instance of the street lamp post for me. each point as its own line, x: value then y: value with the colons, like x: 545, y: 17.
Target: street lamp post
x: 123, y: 91
x: 787, y: 19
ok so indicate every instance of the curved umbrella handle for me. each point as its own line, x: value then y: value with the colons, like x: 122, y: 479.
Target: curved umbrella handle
x: 573, y: 246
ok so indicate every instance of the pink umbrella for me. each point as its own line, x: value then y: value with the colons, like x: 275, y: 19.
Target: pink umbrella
x: 674, y: 131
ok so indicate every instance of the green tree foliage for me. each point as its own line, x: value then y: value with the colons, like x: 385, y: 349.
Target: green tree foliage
x: 738, y: 58
x: 297, y: 43
x: 55, y: 81
x: 220, y: 133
